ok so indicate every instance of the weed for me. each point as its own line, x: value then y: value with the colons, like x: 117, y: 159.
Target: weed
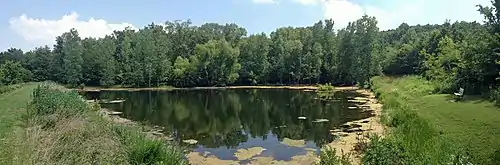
x: 361, y: 143
x: 326, y: 92
x: 326, y: 88
x: 328, y: 157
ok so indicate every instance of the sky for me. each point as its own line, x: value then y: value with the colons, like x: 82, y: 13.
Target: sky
x: 27, y: 24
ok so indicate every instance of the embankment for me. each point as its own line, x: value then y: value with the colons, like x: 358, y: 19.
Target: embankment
x: 61, y: 128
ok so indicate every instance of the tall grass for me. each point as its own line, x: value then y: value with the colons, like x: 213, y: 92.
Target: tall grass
x: 328, y: 157
x: 8, y: 88
x: 61, y: 128
x: 412, y: 140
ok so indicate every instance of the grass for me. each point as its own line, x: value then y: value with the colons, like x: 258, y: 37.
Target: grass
x: 60, y: 128
x: 12, y: 106
x: 471, y: 124
x: 8, y: 88
x: 428, y: 128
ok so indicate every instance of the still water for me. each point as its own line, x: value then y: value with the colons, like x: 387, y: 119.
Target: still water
x: 225, y: 120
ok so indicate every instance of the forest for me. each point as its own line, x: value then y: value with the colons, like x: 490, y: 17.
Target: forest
x: 180, y: 54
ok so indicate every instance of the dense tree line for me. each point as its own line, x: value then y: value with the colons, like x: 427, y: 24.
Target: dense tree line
x: 459, y: 54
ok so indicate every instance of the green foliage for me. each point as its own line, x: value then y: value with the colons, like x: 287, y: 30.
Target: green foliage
x: 384, y: 151
x: 13, y: 73
x: 141, y: 150
x: 452, y: 55
x: 328, y: 157
x: 217, y: 62
x: 328, y: 87
x: 48, y: 100
x: 443, y: 65
x: 326, y: 91
x: 68, y: 58
x: 495, y: 95
x: 8, y: 88
x: 254, y: 58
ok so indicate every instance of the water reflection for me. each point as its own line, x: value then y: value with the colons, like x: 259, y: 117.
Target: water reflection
x: 225, y: 120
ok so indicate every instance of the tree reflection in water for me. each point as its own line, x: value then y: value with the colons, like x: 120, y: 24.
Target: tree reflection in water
x: 230, y: 117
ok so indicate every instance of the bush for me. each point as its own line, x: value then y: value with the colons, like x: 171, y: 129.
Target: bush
x: 328, y: 157
x: 384, y: 151
x: 326, y: 92
x: 326, y: 88
x: 495, y: 95
x: 48, y: 100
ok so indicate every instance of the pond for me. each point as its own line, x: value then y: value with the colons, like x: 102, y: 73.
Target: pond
x: 227, y: 122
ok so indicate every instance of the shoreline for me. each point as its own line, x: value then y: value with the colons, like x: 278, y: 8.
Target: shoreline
x: 289, y: 87
x: 359, y: 129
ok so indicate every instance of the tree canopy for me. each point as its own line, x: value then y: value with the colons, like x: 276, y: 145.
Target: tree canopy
x: 178, y: 53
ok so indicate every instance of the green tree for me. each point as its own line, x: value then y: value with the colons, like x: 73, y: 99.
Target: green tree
x: 218, y: 62
x: 254, y: 58
x: 40, y: 63
x: 68, y: 58
x: 13, y: 73
x: 442, y: 66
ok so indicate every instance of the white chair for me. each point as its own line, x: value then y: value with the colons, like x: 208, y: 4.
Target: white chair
x: 460, y: 94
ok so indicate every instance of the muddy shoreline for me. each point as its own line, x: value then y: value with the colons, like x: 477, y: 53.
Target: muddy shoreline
x: 350, y: 133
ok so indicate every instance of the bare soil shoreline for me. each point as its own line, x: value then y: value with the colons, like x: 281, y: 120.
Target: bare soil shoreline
x: 350, y: 137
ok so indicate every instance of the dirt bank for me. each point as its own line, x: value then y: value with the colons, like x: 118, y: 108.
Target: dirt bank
x: 350, y: 132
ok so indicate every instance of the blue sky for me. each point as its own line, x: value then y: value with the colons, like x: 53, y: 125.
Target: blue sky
x: 29, y: 23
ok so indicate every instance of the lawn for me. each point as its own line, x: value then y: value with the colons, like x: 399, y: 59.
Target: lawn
x: 12, y: 107
x: 471, y: 125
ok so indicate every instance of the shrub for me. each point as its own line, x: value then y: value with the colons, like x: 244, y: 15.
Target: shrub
x: 384, y: 151
x: 326, y: 88
x: 326, y: 92
x: 328, y: 157
x: 495, y: 95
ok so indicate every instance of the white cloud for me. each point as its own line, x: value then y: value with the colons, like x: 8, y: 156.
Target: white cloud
x: 265, y: 1
x: 43, y: 32
x: 392, y: 13
x: 308, y: 2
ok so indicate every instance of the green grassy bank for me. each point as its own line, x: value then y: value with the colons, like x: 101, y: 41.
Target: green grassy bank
x: 56, y: 126
x: 427, y: 128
